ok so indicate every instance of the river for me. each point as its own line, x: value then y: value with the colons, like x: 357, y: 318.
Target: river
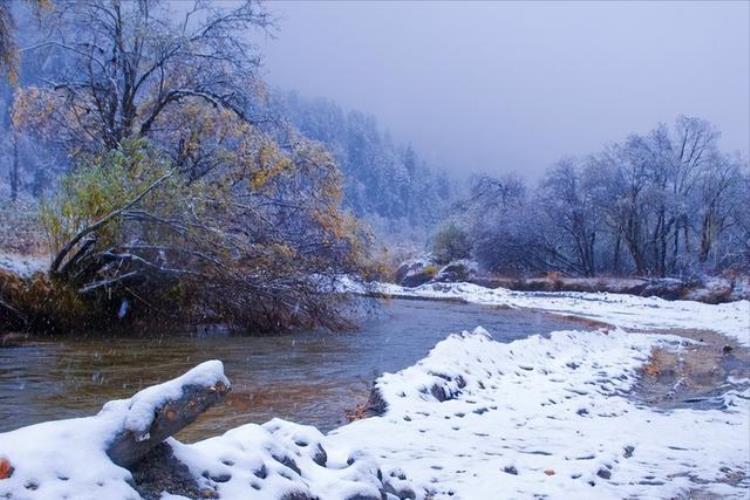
x: 308, y: 377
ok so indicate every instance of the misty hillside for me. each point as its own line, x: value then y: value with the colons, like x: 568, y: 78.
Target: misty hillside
x: 385, y: 182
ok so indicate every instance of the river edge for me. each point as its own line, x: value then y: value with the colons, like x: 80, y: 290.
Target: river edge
x: 450, y: 387
x: 654, y: 370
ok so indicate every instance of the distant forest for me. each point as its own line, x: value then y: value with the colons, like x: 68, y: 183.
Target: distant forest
x: 667, y: 203
x: 385, y: 182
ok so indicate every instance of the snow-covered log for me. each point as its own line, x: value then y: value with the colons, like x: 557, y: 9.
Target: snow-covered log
x: 122, y: 453
x: 129, y: 446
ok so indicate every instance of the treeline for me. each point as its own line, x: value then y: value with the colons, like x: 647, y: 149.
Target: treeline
x: 667, y: 203
x: 384, y: 182
x: 176, y: 193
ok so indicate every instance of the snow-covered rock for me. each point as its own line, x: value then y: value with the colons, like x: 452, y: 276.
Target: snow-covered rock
x: 416, y: 271
x: 68, y: 458
x: 281, y: 460
x: 458, y: 270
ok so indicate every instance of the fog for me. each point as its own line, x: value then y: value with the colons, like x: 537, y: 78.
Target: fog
x: 506, y: 86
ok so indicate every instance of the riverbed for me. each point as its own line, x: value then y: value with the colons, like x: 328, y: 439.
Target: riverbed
x: 309, y: 377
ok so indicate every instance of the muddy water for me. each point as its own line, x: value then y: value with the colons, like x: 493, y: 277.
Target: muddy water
x: 307, y: 377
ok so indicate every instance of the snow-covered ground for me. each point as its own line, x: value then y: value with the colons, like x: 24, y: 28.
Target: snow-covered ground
x: 549, y: 416
x: 67, y: 458
x: 626, y: 311
x: 23, y: 265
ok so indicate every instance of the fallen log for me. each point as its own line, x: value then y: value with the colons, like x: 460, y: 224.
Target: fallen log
x: 129, y: 445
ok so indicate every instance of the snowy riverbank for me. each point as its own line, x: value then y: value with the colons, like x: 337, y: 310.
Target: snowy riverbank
x: 482, y: 419
x: 549, y: 415
x: 626, y: 311
x: 474, y: 419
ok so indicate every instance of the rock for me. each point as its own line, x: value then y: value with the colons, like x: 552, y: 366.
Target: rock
x: 288, y: 462
x: 320, y: 457
x: 416, y: 271
x: 160, y: 471
x: 510, y: 469
x: 459, y: 270
x: 375, y: 406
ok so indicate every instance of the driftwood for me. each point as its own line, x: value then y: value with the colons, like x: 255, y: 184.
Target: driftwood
x: 127, y: 448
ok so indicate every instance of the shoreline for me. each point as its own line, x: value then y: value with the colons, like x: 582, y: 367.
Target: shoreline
x: 534, y: 416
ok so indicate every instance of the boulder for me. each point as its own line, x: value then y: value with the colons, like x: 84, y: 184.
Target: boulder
x: 416, y: 271
x: 459, y: 270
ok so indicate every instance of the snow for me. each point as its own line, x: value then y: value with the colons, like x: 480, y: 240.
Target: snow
x: 23, y: 265
x: 626, y: 311
x: 555, y: 404
x: 68, y: 457
x: 276, y: 459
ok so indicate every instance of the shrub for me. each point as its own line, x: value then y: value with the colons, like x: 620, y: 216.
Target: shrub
x: 451, y: 243
x: 430, y: 271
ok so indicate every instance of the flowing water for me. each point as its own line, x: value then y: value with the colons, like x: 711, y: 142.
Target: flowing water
x: 307, y: 377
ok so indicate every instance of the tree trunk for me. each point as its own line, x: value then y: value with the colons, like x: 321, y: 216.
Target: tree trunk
x: 14, y: 181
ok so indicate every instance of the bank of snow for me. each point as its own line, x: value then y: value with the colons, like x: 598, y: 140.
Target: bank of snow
x: 23, y: 265
x: 68, y: 458
x: 626, y: 311
x: 549, y: 416
x: 278, y: 460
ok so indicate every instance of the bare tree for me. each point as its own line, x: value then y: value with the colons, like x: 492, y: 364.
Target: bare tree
x: 669, y: 200
x: 131, y: 61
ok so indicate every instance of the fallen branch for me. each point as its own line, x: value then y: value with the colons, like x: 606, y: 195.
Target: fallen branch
x: 127, y: 447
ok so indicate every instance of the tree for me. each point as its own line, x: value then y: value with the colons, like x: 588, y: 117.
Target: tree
x: 567, y: 204
x: 667, y: 203
x: 451, y: 243
x: 384, y: 182
x: 127, y: 228
x: 132, y: 62
x: 182, y: 196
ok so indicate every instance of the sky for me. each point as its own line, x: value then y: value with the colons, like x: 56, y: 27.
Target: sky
x: 497, y: 87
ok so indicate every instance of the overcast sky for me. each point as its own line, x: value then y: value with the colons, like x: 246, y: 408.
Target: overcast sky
x: 505, y: 86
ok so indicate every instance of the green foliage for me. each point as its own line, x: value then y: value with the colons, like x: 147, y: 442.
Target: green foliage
x: 451, y: 243
x: 102, y: 185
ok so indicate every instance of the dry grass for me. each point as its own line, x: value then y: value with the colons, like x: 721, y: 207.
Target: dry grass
x: 672, y: 375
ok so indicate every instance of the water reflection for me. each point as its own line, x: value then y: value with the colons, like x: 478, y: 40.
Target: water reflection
x: 308, y: 377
